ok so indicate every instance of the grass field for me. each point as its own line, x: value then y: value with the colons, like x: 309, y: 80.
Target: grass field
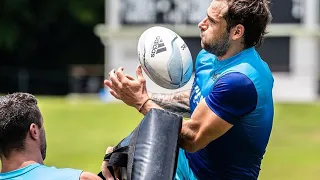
x: 78, y: 134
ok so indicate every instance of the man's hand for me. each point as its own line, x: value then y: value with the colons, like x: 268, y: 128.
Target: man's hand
x: 104, y: 167
x: 131, y: 91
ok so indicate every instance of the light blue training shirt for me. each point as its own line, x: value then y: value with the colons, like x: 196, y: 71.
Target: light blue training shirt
x: 238, y: 90
x: 41, y: 172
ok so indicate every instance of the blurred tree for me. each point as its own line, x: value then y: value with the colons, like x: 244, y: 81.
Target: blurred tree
x: 24, y: 21
x: 45, y: 36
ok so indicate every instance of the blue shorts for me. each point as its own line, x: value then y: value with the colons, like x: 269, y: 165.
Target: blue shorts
x: 184, y: 171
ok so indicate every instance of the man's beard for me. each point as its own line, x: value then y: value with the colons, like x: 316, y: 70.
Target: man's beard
x: 43, y: 145
x: 220, y: 46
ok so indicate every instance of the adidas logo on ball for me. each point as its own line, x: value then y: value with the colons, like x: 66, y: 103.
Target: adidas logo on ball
x: 158, y: 43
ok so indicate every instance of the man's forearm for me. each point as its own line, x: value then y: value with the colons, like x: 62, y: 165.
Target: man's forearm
x: 175, y: 102
x: 189, y: 130
x: 188, y: 135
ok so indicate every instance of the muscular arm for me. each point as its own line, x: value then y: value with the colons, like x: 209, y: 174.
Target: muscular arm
x: 174, y: 102
x: 89, y: 176
x: 233, y: 96
x: 203, y: 127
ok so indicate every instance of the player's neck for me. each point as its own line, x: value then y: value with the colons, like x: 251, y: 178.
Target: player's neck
x: 17, y: 160
x: 232, y: 51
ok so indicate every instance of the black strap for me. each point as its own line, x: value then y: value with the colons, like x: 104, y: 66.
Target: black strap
x: 111, y: 171
x: 119, y: 158
x: 120, y: 150
x: 110, y: 168
x: 101, y: 176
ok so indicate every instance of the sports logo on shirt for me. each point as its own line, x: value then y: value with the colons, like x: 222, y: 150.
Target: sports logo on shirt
x: 196, y: 95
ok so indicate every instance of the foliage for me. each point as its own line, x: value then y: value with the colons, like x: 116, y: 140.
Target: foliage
x: 22, y: 19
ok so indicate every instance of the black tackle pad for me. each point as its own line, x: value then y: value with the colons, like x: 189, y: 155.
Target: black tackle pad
x: 151, y: 150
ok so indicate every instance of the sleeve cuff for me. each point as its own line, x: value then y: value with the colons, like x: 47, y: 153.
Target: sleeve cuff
x: 223, y: 114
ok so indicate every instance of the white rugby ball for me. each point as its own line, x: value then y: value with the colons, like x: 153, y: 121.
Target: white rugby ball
x: 165, y: 57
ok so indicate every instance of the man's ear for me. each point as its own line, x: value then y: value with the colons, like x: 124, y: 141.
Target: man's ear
x: 237, y: 32
x: 34, y: 131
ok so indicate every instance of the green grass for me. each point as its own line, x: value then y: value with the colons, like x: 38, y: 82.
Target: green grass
x: 294, y: 148
x: 78, y: 134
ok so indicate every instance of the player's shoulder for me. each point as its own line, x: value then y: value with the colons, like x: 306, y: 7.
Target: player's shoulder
x: 245, y: 68
x: 252, y: 64
x: 69, y: 174
x: 235, y: 81
x: 58, y: 173
x: 258, y: 72
x: 254, y: 69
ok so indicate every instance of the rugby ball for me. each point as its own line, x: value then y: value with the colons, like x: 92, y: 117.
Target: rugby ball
x: 165, y: 57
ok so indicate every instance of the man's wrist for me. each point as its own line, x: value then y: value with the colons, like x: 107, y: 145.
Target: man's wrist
x: 143, y: 104
x: 147, y: 106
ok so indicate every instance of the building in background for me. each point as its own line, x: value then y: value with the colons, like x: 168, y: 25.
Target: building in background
x: 291, y: 48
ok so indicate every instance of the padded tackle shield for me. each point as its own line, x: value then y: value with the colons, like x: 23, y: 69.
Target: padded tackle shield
x: 151, y: 150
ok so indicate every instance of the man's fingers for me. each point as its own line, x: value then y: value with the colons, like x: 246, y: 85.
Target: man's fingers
x: 130, y: 77
x: 114, y: 94
x: 108, y: 83
x: 104, y: 167
x: 140, y: 75
x: 105, y: 171
x: 114, y: 79
x: 120, y: 75
x: 111, y: 90
x: 109, y: 150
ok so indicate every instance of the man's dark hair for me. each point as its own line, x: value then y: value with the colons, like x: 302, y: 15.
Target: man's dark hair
x: 254, y: 15
x: 17, y: 112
